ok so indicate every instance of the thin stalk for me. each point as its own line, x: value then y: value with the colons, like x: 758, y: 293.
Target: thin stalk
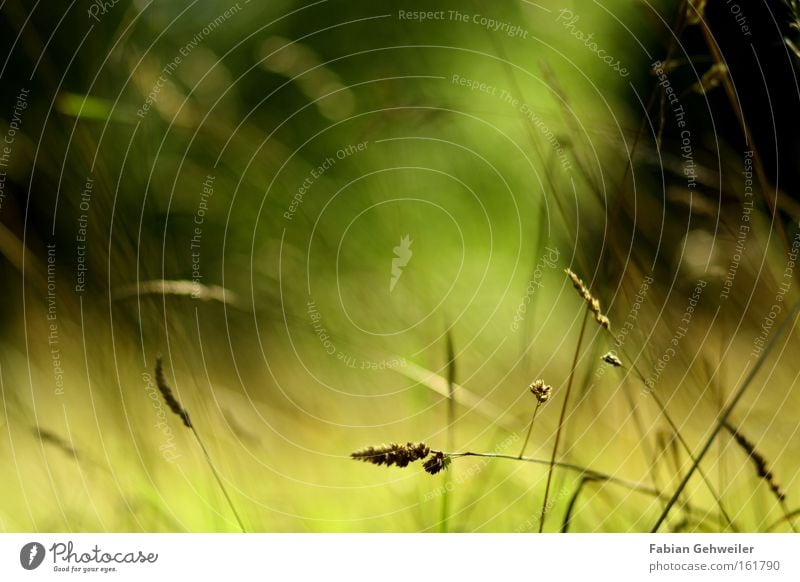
x: 219, y: 480
x: 530, y: 429
x: 561, y: 420
x: 598, y: 475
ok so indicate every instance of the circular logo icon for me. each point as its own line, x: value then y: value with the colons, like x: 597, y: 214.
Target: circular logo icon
x: 31, y: 555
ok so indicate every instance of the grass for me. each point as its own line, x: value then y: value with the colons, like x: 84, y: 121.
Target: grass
x: 440, y: 460
x: 280, y: 394
x: 722, y: 421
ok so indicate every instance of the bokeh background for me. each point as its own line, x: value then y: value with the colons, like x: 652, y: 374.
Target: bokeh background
x: 229, y: 185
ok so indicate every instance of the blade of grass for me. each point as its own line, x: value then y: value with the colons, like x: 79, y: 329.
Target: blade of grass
x: 451, y: 419
x: 571, y: 505
x: 461, y: 395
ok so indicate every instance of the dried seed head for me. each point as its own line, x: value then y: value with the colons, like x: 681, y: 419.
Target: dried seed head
x: 612, y: 360
x: 592, y: 301
x: 393, y: 454
x: 437, y: 462
x: 759, y: 462
x: 169, y: 397
x: 541, y: 390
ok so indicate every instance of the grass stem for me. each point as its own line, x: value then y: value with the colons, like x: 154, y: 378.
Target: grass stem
x: 530, y: 430
x: 561, y: 420
x: 219, y: 481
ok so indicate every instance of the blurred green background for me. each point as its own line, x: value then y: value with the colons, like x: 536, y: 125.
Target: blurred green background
x: 271, y: 158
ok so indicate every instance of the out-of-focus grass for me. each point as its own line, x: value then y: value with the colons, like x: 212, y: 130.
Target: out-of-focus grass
x: 283, y: 451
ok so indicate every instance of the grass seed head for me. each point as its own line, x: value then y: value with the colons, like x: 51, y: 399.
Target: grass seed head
x: 592, y: 301
x: 541, y: 390
x: 759, y: 461
x: 437, y: 463
x: 393, y: 454
x: 168, y: 395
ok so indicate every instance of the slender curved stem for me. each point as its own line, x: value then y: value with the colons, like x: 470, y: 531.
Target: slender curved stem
x: 530, y: 430
x: 561, y: 420
x: 585, y: 472
x: 600, y: 476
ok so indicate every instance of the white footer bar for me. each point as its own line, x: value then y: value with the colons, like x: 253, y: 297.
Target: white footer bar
x: 401, y: 557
